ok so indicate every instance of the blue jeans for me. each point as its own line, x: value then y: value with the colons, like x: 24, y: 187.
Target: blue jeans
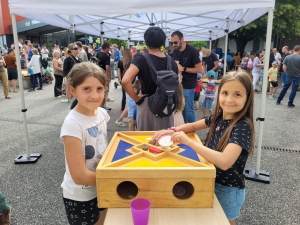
x: 188, y: 112
x: 287, y: 84
x: 35, y: 77
x: 283, y: 77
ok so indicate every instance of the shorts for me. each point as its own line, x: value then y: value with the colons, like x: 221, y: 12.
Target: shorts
x: 273, y: 84
x: 231, y: 199
x: 12, y: 74
x: 207, y: 103
x: 196, y: 96
x: 79, y: 213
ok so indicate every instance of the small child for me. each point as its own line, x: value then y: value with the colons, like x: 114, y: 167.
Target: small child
x: 131, y: 104
x: 273, y: 73
x: 229, y: 141
x: 178, y: 117
x: 134, y: 119
x: 84, y: 135
x: 197, y: 91
x: 210, y: 90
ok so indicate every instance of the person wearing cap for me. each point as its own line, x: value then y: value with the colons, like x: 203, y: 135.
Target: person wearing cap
x: 210, y: 61
x: 145, y: 119
x: 291, y: 66
x: 189, y: 65
x: 210, y: 90
x: 273, y: 73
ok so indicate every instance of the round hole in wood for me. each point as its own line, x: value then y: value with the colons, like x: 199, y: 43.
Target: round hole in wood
x: 127, y: 190
x: 183, y: 190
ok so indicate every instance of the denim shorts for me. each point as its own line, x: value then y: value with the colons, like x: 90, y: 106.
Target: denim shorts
x: 207, y: 103
x: 231, y: 200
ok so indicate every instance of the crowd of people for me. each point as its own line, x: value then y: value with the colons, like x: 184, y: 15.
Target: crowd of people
x: 85, y: 75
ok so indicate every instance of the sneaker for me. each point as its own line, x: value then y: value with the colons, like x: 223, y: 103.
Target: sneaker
x: 270, y: 96
x: 5, y: 217
x: 39, y: 89
x: 116, y: 84
x: 120, y: 123
x: 126, y: 120
x: 274, y: 96
x: 291, y: 105
x: 109, y: 100
x: 107, y: 108
x: 60, y: 96
x: 65, y: 100
x: 31, y: 90
x: 278, y: 103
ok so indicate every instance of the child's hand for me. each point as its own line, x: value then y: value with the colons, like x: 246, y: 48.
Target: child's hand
x: 181, y: 137
x: 160, y: 133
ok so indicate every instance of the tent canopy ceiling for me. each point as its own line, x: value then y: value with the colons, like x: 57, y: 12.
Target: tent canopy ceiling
x: 136, y: 15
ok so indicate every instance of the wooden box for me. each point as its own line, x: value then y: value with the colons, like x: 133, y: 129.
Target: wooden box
x: 177, y: 178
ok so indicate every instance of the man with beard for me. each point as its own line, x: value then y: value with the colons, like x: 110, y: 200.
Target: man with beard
x: 188, y: 62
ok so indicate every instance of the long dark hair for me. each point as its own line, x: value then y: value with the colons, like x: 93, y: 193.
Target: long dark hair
x: 245, y: 114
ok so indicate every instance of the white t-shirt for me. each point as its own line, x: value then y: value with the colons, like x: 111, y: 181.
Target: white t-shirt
x: 92, y: 131
x: 277, y: 57
x: 45, y: 53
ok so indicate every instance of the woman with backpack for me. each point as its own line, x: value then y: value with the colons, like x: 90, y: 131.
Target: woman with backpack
x: 257, y: 67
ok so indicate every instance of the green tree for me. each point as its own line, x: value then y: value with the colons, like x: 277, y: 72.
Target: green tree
x: 198, y: 44
x: 117, y: 42
x: 286, y: 24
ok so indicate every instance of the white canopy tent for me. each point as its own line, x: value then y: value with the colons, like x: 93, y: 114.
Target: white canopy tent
x: 194, y: 18
x: 197, y: 19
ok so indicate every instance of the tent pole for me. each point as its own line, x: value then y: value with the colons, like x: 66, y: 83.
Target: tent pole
x: 226, y: 47
x: 258, y: 175
x: 210, y: 39
x: 101, y: 32
x: 26, y: 158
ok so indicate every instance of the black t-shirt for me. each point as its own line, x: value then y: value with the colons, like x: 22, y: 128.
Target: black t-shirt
x: 241, y: 135
x: 189, y: 57
x: 210, y: 61
x: 144, y: 75
x: 69, y: 63
x: 104, y: 60
x: 281, y: 65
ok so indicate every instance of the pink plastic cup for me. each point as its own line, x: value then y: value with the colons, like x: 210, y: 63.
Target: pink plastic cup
x: 140, y: 209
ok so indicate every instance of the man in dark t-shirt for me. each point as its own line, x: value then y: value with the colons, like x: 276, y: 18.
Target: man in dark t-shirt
x: 104, y: 63
x: 285, y: 51
x: 145, y: 119
x: 188, y: 62
x: 210, y: 61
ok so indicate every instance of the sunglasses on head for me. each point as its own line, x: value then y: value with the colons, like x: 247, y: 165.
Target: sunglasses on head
x: 75, y: 48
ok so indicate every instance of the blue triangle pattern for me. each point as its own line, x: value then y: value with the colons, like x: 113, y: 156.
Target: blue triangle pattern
x: 121, y: 152
x: 188, y: 152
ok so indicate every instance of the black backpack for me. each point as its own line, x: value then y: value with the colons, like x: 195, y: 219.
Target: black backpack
x: 165, y: 99
x: 44, y: 62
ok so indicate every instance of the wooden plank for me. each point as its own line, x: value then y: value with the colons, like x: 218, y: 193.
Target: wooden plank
x: 172, y: 216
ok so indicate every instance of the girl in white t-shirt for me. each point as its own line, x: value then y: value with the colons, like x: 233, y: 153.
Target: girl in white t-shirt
x: 84, y: 135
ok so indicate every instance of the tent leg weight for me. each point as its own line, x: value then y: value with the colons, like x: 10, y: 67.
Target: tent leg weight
x: 23, y: 159
x: 262, y: 177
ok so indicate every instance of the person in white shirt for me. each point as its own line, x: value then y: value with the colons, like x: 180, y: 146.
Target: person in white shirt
x: 277, y: 55
x: 35, y: 63
x: 84, y: 135
x: 45, y: 52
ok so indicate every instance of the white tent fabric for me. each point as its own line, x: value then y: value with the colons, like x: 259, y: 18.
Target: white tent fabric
x: 195, y: 19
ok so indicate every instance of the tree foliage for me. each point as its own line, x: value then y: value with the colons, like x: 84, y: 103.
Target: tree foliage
x: 286, y: 24
x: 198, y: 44
x: 117, y: 42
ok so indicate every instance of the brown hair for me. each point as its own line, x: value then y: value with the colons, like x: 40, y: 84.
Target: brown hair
x: 70, y: 47
x: 126, y: 58
x: 81, y: 71
x: 246, y: 114
x: 181, y: 101
x: 136, y: 84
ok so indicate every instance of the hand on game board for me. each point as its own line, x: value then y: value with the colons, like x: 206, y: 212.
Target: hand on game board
x: 181, y: 137
x: 160, y: 133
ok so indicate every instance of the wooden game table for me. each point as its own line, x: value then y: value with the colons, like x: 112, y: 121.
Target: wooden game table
x: 171, y: 216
